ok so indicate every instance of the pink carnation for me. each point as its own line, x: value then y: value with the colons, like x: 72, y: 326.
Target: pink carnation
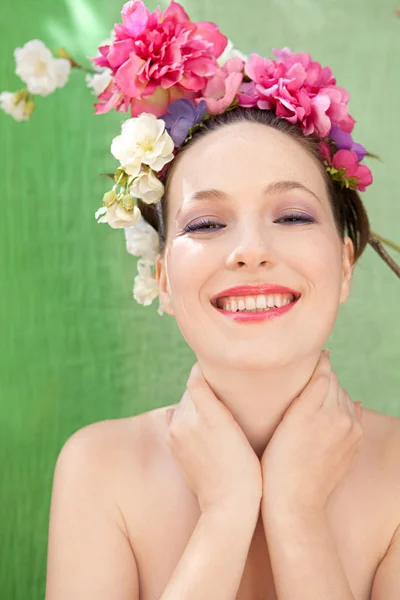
x: 347, y: 159
x: 157, y: 58
x: 299, y: 90
x: 221, y: 89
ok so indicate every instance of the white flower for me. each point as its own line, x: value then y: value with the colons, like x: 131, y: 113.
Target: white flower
x: 142, y: 240
x: 143, y: 140
x: 101, y: 212
x: 147, y: 187
x: 230, y: 52
x: 145, y: 287
x: 37, y: 67
x: 98, y: 82
x: 18, y: 110
x: 116, y: 216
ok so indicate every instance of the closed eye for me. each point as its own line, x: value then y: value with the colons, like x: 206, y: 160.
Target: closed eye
x: 207, y: 224
x: 296, y: 218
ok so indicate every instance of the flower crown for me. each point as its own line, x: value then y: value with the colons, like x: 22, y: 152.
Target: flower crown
x: 172, y: 74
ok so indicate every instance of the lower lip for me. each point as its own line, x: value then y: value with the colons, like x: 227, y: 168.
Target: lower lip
x: 257, y: 316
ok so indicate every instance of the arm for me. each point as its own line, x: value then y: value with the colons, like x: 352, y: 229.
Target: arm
x: 304, y: 559
x: 89, y: 555
x: 213, y: 562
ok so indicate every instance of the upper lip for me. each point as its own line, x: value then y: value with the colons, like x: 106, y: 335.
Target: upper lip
x: 262, y: 288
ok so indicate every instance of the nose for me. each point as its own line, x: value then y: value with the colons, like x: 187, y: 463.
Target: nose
x: 253, y: 248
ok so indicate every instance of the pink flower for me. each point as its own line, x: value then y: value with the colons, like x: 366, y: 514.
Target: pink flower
x: 348, y: 160
x: 157, y: 58
x: 221, y: 89
x: 299, y: 90
x: 326, y: 152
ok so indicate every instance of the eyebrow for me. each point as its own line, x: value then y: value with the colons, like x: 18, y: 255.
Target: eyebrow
x: 276, y: 187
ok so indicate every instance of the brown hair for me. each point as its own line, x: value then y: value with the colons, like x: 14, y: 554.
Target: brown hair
x: 348, y: 210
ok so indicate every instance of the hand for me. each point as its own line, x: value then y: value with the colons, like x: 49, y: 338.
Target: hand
x: 313, y: 445
x: 217, y: 461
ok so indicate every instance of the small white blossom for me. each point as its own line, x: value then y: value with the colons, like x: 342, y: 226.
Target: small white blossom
x: 231, y: 52
x: 37, y: 67
x: 142, y: 240
x: 17, y: 110
x: 98, y: 82
x: 147, y: 187
x: 101, y: 212
x: 144, y: 140
x: 145, y: 288
x: 117, y: 217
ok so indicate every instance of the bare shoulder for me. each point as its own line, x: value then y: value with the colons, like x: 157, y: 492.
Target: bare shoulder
x: 381, y: 438
x: 380, y: 457
x: 111, y: 443
x: 380, y: 428
x: 89, y: 550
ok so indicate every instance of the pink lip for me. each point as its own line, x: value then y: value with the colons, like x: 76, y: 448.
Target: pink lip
x: 257, y: 316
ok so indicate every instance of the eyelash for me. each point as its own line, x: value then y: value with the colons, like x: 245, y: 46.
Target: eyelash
x: 203, y: 223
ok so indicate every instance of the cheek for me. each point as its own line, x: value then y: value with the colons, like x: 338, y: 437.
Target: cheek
x: 190, y: 265
x: 317, y: 256
x: 318, y: 261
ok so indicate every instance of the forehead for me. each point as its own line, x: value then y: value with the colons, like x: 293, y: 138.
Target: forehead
x: 242, y: 158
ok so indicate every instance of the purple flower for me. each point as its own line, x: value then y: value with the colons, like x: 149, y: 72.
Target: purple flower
x: 344, y: 141
x: 182, y: 115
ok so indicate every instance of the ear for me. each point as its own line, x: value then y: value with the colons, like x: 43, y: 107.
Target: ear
x: 347, y: 268
x: 161, y: 278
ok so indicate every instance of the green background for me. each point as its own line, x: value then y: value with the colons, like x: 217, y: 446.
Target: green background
x: 75, y: 347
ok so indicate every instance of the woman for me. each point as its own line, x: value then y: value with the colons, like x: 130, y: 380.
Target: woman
x: 263, y: 481
x: 123, y: 489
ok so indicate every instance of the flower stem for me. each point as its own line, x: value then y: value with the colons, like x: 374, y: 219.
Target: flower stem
x: 377, y: 246
x: 62, y: 53
x: 87, y: 69
x: 386, y: 241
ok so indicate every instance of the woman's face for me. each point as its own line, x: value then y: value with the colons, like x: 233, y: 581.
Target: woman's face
x: 251, y: 243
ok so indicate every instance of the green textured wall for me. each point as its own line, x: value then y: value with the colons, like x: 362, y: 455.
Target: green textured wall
x: 75, y: 347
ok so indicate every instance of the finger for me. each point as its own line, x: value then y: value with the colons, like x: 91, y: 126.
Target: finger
x: 314, y: 394
x: 168, y: 414
x: 346, y: 401
x: 356, y: 409
x: 332, y: 397
x: 202, y: 398
x: 189, y: 411
x: 323, y: 366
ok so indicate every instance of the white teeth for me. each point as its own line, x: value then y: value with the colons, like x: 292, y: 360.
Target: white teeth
x: 279, y: 301
x: 254, y: 303
x: 250, y: 303
x: 271, y: 301
x: 261, y: 302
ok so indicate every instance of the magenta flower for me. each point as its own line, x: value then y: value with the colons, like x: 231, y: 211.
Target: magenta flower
x: 347, y: 159
x: 299, y: 90
x: 345, y: 167
x: 157, y: 58
x: 221, y: 88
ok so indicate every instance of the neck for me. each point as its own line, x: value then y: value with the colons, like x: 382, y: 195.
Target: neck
x: 258, y: 399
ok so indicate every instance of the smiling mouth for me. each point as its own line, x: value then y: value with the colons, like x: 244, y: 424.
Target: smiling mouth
x: 293, y: 299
